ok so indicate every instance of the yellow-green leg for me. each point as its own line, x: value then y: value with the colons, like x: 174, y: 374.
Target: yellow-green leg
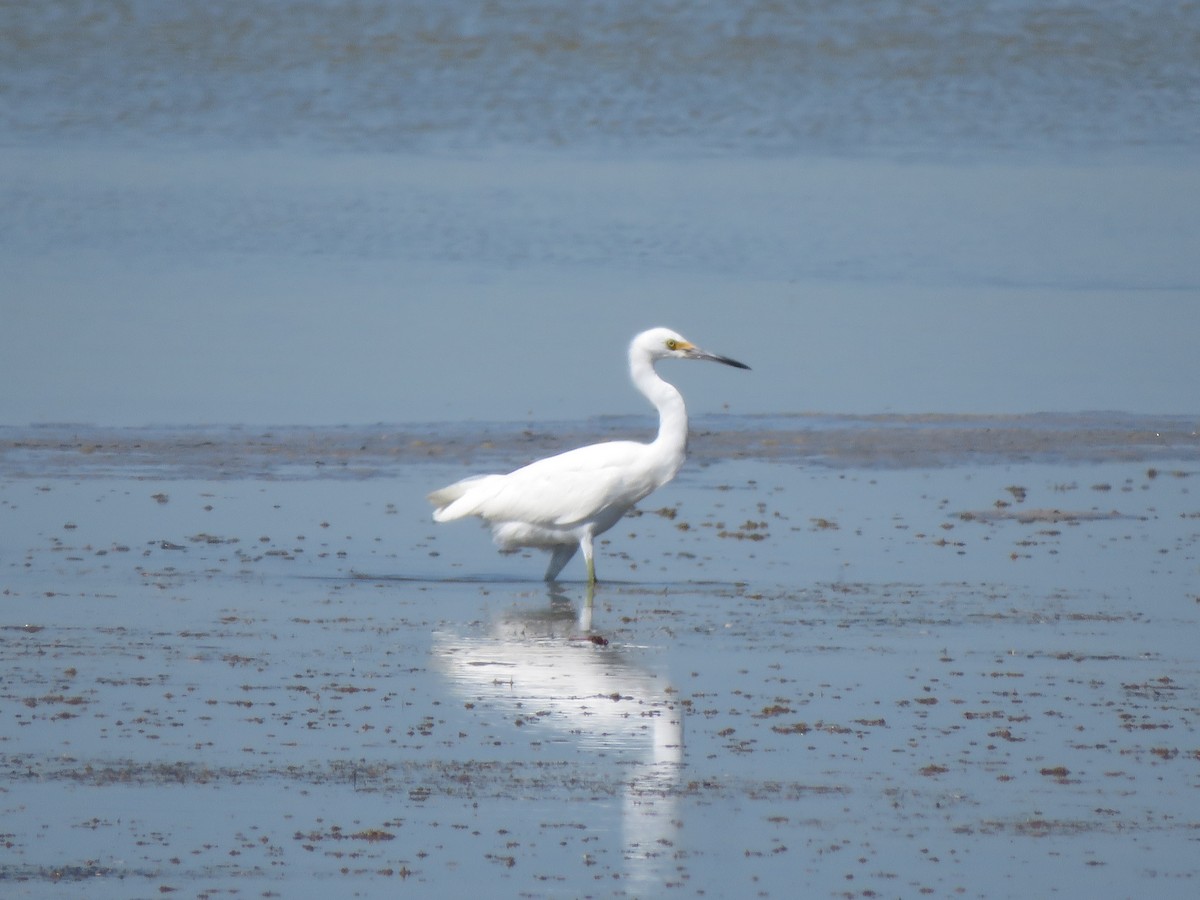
x: 585, y: 544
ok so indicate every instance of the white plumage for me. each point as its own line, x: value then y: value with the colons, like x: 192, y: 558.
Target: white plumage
x: 561, y: 503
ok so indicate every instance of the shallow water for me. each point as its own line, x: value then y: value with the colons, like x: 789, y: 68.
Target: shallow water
x: 972, y: 677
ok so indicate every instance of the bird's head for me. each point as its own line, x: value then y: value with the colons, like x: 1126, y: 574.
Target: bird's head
x: 663, y: 343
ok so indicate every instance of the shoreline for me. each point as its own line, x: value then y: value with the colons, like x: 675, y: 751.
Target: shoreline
x: 885, y: 441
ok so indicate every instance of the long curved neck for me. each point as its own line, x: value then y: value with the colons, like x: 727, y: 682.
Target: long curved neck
x: 672, y: 414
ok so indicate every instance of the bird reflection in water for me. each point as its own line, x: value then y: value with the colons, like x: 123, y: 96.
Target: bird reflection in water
x: 544, y: 663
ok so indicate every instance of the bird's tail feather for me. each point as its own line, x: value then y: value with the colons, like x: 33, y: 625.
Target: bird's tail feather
x: 446, y: 501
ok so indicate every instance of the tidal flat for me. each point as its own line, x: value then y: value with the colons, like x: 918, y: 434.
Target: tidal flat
x: 844, y: 657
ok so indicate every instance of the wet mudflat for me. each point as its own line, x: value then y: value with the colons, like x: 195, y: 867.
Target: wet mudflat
x: 852, y: 657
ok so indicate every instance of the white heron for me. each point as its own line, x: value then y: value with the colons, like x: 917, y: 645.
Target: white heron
x: 561, y: 503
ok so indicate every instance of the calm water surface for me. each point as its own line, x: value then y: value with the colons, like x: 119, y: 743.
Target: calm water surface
x: 737, y: 78
x: 320, y: 212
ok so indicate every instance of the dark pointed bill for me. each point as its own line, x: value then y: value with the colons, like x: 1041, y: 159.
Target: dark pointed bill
x: 697, y: 353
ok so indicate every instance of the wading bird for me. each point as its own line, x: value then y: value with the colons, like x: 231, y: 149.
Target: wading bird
x: 561, y: 503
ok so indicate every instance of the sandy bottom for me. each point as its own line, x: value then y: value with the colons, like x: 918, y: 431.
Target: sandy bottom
x: 248, y: 665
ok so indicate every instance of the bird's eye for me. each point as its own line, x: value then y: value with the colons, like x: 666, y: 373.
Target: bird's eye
x: 672, y: 343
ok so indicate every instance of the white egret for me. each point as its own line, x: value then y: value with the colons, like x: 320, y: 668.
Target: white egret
x: 561, y: 503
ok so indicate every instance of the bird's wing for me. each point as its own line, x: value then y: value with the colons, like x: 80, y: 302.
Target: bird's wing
x: 558, y: 491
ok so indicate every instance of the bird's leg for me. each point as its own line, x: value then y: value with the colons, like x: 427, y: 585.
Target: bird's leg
x: 561, y: 556
x: 585, y: 544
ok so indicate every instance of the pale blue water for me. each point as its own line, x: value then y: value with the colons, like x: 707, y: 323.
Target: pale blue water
x: 726, y: 79
x: 306, y: 212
